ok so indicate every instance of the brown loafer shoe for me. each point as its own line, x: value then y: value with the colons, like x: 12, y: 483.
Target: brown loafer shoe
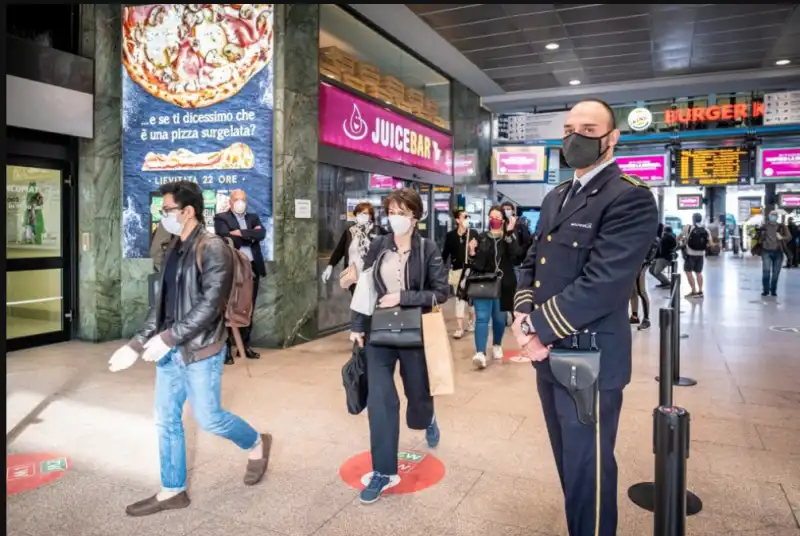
x: 256, y: 468
x: 151, y: 506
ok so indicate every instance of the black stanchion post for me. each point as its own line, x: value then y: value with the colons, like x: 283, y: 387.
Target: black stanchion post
x: 672, y: 501
x: 676, y: 336
x: 667, y: 496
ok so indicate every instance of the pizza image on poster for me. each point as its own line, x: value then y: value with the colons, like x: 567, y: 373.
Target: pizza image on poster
x: 197, y: 105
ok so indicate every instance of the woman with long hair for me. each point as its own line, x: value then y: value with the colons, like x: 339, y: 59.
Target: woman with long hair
x: 494, y: 254
x: 407, y: 272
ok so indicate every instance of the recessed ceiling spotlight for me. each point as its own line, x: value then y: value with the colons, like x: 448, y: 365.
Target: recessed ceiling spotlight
x: 574, y: 82
x: 552, y: 46
x: 783, y: 62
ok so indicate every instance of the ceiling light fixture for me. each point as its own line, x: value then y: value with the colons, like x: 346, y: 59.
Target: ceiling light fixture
x: 552, y: 46
x: 574, y: 82
x: 783, y: 62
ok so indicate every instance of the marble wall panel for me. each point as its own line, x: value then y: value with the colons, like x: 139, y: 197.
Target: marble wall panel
x: 286, y: 308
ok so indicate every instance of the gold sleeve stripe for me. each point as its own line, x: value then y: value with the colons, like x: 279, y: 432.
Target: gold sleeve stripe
x: 555, y: 317
x: 524, y: 293
x: 561, y: 316
x: 550, y: 322
x: 521, y: 302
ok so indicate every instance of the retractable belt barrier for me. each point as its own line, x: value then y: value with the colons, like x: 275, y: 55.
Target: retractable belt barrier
x: 675, y: 352
x: 667, y: 497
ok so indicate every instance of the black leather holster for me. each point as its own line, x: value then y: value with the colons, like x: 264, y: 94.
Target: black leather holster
x: 578, y: 371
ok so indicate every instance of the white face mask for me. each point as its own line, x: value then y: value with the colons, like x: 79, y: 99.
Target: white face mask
x: 362, y: 219
x: 239, y: 207
x: 509, y: 214
x: 400, y: 224
x: 171, y: 224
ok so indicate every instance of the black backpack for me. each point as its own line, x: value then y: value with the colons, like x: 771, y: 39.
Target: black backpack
x: 698, y: 239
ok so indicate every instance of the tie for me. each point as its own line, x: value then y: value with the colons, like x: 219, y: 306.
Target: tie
x: 576, y: 185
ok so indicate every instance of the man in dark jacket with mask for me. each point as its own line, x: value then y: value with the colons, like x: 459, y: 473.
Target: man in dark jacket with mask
x: 184, y: 335
x: 594, y: 233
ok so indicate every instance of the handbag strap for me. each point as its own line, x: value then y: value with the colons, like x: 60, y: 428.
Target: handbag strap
x: 422, y: 260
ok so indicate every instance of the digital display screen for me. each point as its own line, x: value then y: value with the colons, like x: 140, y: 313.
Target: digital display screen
x: 690, y: 202
x: 533, y: 219
x: 789, y: 200
x: 713, y: 167
x: 519, y: 164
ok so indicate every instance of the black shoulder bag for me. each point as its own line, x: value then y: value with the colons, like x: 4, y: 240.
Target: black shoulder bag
x: 399, y: 327
x: 486, y: 286
x: 578, y: 371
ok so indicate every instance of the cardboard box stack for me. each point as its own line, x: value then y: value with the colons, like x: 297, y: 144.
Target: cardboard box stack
x: 329, y: 68
x: 392, y: 90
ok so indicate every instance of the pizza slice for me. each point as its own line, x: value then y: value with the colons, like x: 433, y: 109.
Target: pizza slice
x: 236, y: 156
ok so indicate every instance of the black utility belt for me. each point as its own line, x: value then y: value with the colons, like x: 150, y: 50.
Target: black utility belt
x: 578, y: 371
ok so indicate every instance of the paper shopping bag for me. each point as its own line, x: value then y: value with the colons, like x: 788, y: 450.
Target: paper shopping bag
x: 438, y: 354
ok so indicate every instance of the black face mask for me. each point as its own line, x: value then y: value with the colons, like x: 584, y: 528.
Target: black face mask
x: 582, y: 151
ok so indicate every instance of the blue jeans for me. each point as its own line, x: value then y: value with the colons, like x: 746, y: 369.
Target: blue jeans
x: 486, y: 310
x: 200, y: 382
x: 770, y: 270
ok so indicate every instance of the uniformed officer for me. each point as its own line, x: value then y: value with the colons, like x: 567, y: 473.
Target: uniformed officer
x: 593, y: 235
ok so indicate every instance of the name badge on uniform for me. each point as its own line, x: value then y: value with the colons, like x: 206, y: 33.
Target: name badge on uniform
x: 581, y: 225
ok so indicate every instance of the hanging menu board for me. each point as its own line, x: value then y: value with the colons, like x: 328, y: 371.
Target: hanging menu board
x: 713, y: 167
x: 524, y: 127
x: 782, y: 108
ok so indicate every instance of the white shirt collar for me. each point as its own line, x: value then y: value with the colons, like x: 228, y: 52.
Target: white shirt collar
x: 592, y: 173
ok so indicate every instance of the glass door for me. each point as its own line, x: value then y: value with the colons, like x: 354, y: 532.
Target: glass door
x: 38, y: 286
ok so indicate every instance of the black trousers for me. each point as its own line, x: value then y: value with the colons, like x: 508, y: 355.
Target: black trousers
x: 584, y: 454
x: 383, y: 405
x: 248, y: 330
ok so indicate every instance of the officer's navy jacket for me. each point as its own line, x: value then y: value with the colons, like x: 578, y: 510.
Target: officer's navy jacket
x: 578, y: 274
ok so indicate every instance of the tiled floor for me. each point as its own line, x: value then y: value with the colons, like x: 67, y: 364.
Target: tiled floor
x: 500, y: 480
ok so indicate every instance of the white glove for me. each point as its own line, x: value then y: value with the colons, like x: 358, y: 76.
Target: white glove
x: 357, y: 338
x: 155, y: 349
x: 123, y: 358
x: 327, y: 274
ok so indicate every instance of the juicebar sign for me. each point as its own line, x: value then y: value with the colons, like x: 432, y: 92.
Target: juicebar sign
x: 724, y: 112
x: 351, y: 123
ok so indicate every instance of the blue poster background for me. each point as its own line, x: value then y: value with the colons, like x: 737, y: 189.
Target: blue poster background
x: 253, y: 105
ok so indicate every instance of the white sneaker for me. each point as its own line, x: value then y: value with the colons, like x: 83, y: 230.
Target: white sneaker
x: 458, y: 334
x: 471, y: 325
x: 497, y: 352
x: 479, y: 360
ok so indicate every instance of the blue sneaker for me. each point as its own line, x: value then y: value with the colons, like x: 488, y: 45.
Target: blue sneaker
x: 432, y: 434
x: 377, y: 485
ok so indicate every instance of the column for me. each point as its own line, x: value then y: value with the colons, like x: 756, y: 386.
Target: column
x: 472, y: 127
x: 99, y: 274
x: 286, y: 310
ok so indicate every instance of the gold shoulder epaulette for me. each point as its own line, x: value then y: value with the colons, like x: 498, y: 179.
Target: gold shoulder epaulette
x: 636, y: 181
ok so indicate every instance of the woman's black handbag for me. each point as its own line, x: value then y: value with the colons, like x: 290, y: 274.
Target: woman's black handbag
x: 484, y: 286
x: 397, y: 327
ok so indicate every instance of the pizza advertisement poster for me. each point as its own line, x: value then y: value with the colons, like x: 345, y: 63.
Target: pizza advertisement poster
x: 197, y: 105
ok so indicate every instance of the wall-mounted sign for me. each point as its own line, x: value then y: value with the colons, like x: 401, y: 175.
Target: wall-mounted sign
x: 778, y: 164
x: 789, y: 200
x: 203, y: 115
x: 523, y: 127
x: 723, y: 112
x: 553, y: 165
x: 713, y: 167
x: 518, y: 164
x: 640, y: 119
x: 349, y: 122
x: 384, y: 182
x: 689, y: 201
x: 782, y: 108
x: 465, y: 163
x: 652, y: 169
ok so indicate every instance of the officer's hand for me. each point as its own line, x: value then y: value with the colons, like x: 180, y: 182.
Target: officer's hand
x: 535, y: 350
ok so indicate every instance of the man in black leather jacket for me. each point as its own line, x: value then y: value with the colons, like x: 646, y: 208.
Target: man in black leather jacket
x: 184, y: 334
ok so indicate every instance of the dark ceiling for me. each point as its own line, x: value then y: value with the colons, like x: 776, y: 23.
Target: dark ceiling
x: 606, y: 43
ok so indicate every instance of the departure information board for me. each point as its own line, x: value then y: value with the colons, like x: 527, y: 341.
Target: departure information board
x: 713, y: 167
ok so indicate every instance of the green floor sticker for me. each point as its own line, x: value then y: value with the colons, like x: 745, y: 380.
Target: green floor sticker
x: 51, y: 466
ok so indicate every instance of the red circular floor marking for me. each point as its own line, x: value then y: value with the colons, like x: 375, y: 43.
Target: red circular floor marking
x: 515, y: 356
x: 28, y: 471
x: 417, y: 471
